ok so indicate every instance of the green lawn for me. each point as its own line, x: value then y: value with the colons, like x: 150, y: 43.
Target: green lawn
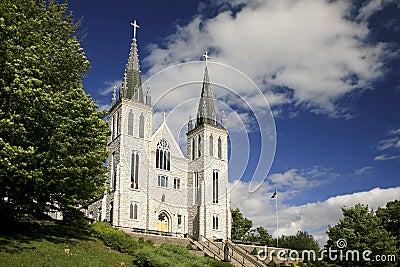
x: 49, y: 244
x: 46, y: 243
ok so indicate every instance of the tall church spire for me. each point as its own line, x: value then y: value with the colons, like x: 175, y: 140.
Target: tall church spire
x: 206, y: 109
x: 132, y: 83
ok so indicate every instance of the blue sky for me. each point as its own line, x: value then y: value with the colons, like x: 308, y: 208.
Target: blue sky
x: 329, y: 70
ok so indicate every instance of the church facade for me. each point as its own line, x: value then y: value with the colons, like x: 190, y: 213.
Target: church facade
x: 153, y: 186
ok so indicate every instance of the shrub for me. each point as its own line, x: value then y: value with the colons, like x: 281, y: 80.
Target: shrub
x: 114, y: 238
x: 189, y: 247
x: 254, y: 251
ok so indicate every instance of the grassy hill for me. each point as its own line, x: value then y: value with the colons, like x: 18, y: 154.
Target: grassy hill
x: 45, y: 243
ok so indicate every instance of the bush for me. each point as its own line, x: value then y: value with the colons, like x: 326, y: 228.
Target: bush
x: 73, y: 216
x: 172, y: 255
x: 254, y: 251
x: 189, y: 247
x: 148, y: 255
x: 272, y: 264
x: 114, y: 238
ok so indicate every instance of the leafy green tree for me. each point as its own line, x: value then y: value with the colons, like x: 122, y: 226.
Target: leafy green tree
x: 300, y: 241
x: 52, y: 139
x: 390, y: 218
x: 362, y: 230
x: 260, y: 234
x: 240, y: 225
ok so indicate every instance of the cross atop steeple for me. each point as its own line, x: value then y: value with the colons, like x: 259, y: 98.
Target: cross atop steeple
x: 206, y: 57
x: 135, y: 25
x: 131, y: 87
x: 206, y: 109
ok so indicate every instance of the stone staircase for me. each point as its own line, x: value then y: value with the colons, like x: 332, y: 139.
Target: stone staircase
x: 237, y: 255
x: 232, y: 253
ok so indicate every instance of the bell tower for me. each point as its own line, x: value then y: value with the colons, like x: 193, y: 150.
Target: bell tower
x: 207, y: 151
x: 131, y: 130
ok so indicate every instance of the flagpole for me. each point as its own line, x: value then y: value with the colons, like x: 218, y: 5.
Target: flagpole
x: 276, y: 212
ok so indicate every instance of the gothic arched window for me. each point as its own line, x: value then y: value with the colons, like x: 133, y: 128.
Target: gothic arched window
x: 130, y: 123
x: 135, y: 170
x: 215, y: 186
x: 215, y: 222
x: 199, y: 147
x: 219, y: 148
x: 117, y: 125
x: 113, y: 171
x: 193, y: 148
x: 133, y: 211
x: 211, y: 146
x: 141, y: 126
x: 163, y: 155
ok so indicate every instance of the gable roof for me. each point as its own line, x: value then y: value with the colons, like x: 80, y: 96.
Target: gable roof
x: 164, y: 131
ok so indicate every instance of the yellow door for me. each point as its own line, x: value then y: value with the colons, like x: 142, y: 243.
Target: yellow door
x: 162, y: 223
x: 162, y: 226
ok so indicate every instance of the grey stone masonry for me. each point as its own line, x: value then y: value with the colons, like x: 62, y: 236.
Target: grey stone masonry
x: 152, y: 186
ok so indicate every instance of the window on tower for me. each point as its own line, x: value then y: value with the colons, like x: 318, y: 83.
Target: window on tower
x: 177, y: 183
x: 196, y: 190
x: 193, y: 148
x: 141, y: 126
x: 215, y: 222
x: 162, y: 181
x: 130, y: 123
x: 117, y: 124
x: 112, y: 127
x: 219, y: 148
x: 211, y: 146
x: 113, y: 171
x: 163, y: 155
x: 133, y: 211
x: 135, y: 170
x: 199, y: 147
x: 215, y: 186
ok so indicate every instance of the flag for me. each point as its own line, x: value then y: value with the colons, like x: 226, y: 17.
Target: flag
x: 274, y: 194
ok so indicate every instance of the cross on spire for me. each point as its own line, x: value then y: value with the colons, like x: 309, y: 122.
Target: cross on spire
x: 206, y: 57
x: 135, y: 25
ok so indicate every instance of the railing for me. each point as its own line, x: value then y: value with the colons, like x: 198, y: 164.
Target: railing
x: 206, y: 249
x: 245, y: 255
x: 156, y: 232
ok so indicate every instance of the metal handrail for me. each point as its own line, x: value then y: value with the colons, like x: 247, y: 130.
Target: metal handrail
x: 245, y: 255
x: 243, y: 250
x: 203, y: 247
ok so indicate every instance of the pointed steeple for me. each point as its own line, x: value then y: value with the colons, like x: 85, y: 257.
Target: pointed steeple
x: 132, y: 84
x: 206, y: 109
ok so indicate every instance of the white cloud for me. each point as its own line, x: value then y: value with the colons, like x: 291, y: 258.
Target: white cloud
x: 388, y: 143
x: 385, y: 157
x: 371, y: 7
x: 362, y: 171
x: 308, y: 47
x: 311, y: 217
x: 391, y: 143
x: 109, y: 86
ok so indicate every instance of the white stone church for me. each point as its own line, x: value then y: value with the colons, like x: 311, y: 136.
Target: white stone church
x: 153, y: 186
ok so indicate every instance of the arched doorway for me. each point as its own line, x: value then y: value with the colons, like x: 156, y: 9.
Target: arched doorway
x: 163, y: 222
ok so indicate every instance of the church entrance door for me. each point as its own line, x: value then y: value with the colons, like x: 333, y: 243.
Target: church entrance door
x: 163, y: 222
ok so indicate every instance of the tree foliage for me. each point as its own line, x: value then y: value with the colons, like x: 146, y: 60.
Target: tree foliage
x: 363, y: 230
x: 52, y: 139
x: 240, y: 225
x: 241, y: 229
x: 300, y: 241
x: 390, y: 218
